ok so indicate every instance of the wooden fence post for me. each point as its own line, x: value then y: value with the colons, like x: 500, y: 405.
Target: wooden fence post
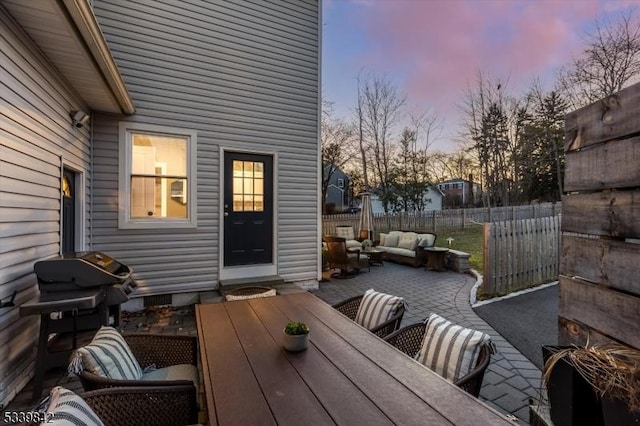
x: 433, y: 215
x: 488, y: 282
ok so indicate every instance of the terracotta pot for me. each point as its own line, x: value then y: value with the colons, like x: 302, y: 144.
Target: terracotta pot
x: 295, y: 343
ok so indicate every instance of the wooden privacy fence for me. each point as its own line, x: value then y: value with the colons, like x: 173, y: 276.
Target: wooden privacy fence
x: 600, y: 263
x: 519, y: 254
x: 436, y: 219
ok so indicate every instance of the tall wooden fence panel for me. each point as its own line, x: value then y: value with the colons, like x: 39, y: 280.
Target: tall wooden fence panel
x: 600, y: 263
x: 519, y: 254
x: 437, y: 219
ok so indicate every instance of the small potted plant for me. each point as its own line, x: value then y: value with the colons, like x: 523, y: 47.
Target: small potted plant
x: 367, y: 244
x: 611, y: 370
x: 295, y: 336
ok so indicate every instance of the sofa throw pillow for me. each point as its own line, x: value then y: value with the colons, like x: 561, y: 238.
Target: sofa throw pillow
x: 377, y: 308
x: 383, y: 239
x: 68, y: 409
x: 108, y: 355
x: 409, y: 244
x: 391, y: 241
x: 426, y: 240
x: 450, y: 350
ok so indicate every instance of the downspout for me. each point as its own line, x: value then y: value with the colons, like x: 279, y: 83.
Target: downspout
x: 91, y: 183
x: 319, y: 171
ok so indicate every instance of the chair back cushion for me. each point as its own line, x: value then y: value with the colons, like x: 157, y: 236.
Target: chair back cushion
x: 345, y: 232
x: 450, y: 350
x: 68, y: 409
x: 377, y: 308
x: 108, y: 355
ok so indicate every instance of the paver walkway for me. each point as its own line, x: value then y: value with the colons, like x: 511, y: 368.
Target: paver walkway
x: 508, y: 384
x: 511, y: 379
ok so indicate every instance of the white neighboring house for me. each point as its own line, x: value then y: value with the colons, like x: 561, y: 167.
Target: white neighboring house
x: 432, y: 197
x: 181, y: 138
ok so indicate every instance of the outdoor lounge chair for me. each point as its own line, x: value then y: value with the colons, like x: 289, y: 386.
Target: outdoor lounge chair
x: 348, y: 263
x: 409, y: 340
x: 171, y: 359
x: 351, y: 306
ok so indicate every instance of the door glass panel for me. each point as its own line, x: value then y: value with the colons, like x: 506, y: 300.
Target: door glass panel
x: 248, y: 186
x: 66, y: 187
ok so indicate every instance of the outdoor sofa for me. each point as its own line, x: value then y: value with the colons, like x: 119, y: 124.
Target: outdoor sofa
x: 405, y: 246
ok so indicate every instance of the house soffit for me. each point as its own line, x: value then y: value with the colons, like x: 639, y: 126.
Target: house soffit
x: 67, y: 33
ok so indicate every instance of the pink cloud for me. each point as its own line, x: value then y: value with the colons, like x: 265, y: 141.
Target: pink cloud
x: 440, y: 45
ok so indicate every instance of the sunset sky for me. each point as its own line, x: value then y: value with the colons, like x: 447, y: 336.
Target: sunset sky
x: 432, y: 49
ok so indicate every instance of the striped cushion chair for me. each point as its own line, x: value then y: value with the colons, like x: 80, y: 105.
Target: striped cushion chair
x: 380, y: 313
x: 120, y: 407
x: 460, y: 355
x: 115, y: 360
x: 65, y: 408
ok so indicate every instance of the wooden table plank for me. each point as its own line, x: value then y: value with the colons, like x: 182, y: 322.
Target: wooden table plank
x: 345, y: 402
x: 450, y: 401
x: 288, y: 396
x: 236, y: 394
x: 392, y: 397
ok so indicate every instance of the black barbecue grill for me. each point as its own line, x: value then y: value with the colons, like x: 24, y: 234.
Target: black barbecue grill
x: 78, y: 292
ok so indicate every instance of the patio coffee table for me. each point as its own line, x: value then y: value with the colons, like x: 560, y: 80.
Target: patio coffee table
x: 376, y: 256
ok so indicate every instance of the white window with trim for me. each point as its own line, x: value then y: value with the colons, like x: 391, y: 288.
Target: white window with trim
x: 157, y: 179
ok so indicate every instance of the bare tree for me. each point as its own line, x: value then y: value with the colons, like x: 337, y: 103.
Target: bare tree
x: 336, y: 141
x: 379, y: 105
x: 610, y: 61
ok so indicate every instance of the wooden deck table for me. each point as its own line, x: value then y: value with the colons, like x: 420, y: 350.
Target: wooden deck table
x: 347, y: 376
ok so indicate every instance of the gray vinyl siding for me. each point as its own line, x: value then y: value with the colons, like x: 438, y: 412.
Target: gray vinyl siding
x: 244, y: 75
x: 35, y: 132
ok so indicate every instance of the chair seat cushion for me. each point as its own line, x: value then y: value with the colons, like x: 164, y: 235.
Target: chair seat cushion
x: 353, y: 243
x: 68, y: 409
x: 377, y: 308
x: 108, y: 355
x: 174, y: 372
x: 450, y: 350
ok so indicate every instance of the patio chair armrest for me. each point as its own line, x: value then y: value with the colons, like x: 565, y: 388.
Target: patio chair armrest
x: 408, y: 339
x: 472, y: 382
x: 92, y: 381
x: 152, y: 406
x: 163, y: 351
x: 349, y: 307
x: 390, y: 325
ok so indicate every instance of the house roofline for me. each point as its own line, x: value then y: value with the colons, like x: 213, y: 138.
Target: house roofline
x: 87, y: 24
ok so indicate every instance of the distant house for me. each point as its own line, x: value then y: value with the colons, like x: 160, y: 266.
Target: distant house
x: 181, y: 138
x: 432, y: 200
x: 460, y: 192
x: 338, y: 190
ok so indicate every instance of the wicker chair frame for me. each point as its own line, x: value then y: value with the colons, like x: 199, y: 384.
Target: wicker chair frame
x: 161, y: 350
x: 349, y: 308
x: 131, y: 406
x: 339, y: 258
x: 409, y: 340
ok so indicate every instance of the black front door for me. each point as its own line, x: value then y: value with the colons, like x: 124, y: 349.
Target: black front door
x: 68, y: 212
x: 248, y: 209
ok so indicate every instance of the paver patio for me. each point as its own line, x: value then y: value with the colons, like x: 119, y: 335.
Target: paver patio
x: 509, y: 382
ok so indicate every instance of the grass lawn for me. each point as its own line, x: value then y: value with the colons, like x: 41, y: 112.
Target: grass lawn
x: 468, y: 240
